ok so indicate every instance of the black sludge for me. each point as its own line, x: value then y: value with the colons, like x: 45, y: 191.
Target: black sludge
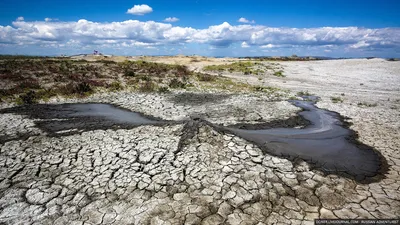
x: 326, y: 143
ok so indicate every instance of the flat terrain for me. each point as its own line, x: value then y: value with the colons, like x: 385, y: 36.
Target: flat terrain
x: 191, y: 173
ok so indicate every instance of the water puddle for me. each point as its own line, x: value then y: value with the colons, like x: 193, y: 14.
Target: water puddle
x: 67, y: 119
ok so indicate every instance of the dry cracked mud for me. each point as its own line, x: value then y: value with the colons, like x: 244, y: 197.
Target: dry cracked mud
x: 148, y: 175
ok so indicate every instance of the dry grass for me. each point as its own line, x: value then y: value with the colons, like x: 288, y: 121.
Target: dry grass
x: 28, y: 80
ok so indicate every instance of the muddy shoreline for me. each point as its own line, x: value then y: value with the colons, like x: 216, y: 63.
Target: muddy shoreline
x: 69, y: 119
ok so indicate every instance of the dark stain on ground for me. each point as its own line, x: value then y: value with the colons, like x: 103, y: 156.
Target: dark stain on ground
x: 325, y: 142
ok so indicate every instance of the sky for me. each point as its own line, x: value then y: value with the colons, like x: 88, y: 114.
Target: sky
x: 337, y: 28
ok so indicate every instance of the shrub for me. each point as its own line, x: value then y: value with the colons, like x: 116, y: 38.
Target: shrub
x: 336, y: 99
x: 205, y: 77
x: 29, y: 84
x: 129, y: 73
x: 182, y: 71
x: 115, y: 86
x: 27, y: 98
x: 266, y: 89
x: 163, y: 90
x: 95, y: 83
x: 83, y: 88
x: 366, y: 104
x: 176, y: 83
x: 148, y: 86
x: 279, y: 73
x: 304, y: 93
x: 144, y: 77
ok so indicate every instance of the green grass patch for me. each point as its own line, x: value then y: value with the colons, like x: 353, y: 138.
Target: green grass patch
x: 304, y: 93
x: 366, y: 104
x: 336, y: 99
x: 279, y: 73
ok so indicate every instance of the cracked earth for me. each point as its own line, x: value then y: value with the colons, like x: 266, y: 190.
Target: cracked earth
x: 145, y: 175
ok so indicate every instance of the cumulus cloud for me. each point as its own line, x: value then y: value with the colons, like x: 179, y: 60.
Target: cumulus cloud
x: 140, y: 10
x: 136, y: 33
x: 360, y: 44
x: 244, y: 20
x: 245, y: 45
x: 21, y: 18
x: 171, y: 19
x: 268, y: 46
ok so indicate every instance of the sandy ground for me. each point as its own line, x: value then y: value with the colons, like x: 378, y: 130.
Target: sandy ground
x: 137, y: 176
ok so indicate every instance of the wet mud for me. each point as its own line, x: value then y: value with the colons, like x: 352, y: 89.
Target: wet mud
x: 324, y: 140
x: 326, y: 143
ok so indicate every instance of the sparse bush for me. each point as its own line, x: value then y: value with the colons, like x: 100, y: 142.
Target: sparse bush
x: 115, y: 86
x: 163, y: 90
x: 279, y: 73
x: 73, y: 88
x: 148, y: 86
x: 336, y: 99
x: 95, y: 83
x: 45, y: 94
x: 366, y: 104
x: 29, y: 84
x: 27, y: 98
x: 304, y: 93
x: 206, y: 77
x: 83, y: 88
x: 129, y: 73
x: 176, y: 83
x: 144, y: 77
x: 265, y: 89
x: 181, y: 70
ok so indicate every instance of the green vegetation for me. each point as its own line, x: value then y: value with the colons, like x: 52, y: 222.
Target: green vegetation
x: 205, y: 77
x: 115, y: 86
x: 33, y: 79
x: 176, y: 83
x: 265, y: 89
x: 148, y: 86
x: 279, y: 73
x: 336, y: 99
x: 242, y: 67
x: 304, y: 93
x: 366, y: 104
x: 247, y: 68
x: 163, y: 90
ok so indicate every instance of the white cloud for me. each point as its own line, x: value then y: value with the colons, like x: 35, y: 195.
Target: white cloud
x: 140, y: 10
x: 171, y: 19
x: 83, y: 33
x: 244, y: 20
x: 360, y: 44
x: 268, y: 46
x: 21, y: 18
x: 245, y: 45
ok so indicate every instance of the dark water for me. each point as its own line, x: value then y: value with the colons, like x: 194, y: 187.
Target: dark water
x: 325, y: 143
x: 69, y: 119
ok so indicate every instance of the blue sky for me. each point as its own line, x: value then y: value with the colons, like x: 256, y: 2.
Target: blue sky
x: 351, y: 28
